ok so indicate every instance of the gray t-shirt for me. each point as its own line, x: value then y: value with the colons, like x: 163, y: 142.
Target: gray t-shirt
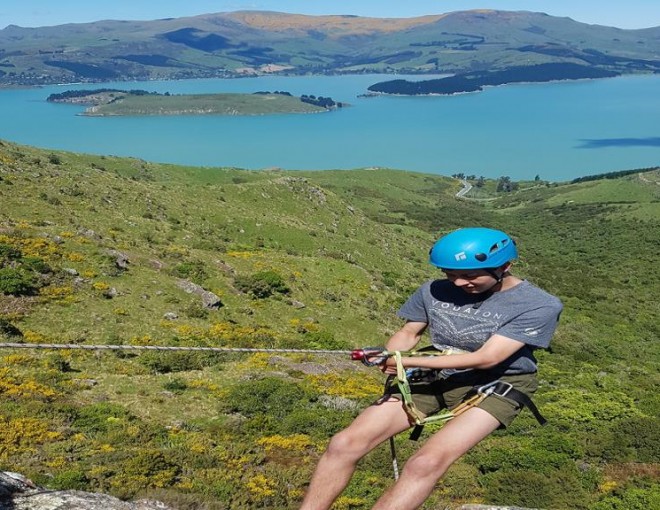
x: 457, y: 319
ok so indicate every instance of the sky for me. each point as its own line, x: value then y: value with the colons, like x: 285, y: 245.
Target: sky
x: 36, y: 13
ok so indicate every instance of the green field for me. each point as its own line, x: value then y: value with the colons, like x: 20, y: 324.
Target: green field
x: 315, y: 260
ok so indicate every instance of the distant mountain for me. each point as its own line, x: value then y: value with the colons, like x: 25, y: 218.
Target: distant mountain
x: 251, y: 42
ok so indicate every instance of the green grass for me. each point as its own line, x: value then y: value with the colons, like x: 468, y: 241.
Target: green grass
x: 349, y: 246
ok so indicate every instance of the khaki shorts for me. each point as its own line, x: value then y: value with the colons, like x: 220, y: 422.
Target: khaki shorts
x: 432, y: 397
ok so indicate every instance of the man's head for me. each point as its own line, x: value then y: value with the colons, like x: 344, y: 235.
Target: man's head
x: 473, y: 257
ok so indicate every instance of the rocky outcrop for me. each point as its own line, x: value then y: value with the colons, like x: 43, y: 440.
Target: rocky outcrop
x: 19, y: 493
x: 209, y: 300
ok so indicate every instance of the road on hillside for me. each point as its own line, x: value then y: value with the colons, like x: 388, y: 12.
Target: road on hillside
x: 464, y: 190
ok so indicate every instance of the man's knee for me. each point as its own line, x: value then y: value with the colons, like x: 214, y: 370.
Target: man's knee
x: 424, y: 464
x: 344, y: 444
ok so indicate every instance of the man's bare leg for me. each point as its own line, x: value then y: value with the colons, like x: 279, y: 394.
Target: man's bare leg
x: 430, y: 463
x: 333, y: 472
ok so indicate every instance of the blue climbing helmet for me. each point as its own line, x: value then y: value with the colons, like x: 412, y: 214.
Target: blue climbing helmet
x: 473, y: 248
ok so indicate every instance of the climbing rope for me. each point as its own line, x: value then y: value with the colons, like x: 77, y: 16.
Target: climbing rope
x: 168, y: 348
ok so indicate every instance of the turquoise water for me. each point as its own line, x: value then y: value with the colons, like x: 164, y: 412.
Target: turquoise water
x: 557, y: 131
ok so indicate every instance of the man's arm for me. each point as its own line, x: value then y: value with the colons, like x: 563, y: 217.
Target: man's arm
x: 497, y: 349
x: 407, y: 337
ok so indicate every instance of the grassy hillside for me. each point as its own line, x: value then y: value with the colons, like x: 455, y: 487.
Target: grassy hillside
x: 249, y: 43
x: 94, y: 249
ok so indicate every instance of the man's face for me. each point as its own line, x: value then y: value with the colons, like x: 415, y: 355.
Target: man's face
x: 472, y: 281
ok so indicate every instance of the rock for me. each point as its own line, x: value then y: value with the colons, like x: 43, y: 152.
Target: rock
x: 11, y: 483
x: 88, y: 232
x: 19, y: 493
x: 111, y: 293
x: 70, y: 271
x: 209, y: 300
x: 121, y: 259
x: 170, y: 316
x: 296, y: 304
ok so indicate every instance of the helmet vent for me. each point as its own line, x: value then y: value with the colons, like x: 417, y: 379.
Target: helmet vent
x: 481, y: 257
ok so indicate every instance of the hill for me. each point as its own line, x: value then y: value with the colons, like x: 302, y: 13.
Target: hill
x: 103, y: 250
x: 247, y: 43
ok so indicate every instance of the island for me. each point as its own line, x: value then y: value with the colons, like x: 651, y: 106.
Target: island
x: 113, y: 102
x: 476, y: 81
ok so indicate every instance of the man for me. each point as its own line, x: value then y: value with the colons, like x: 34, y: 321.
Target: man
x: 481, y: 308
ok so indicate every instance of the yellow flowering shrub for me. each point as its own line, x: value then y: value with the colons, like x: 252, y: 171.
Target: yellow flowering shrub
x: 63, y: 294
x: 346, y: 385
x: 39, y: 247
x: 17, y: 359
x: 241, y: 254
x: 100, y: 286
x: 75, y: 257
x: 296, y: 443
x: 346, y: 503
x: 141, y: 340
x: 260, y: 487
x: 33, y: 337
x: 6, y: 159
x: 11, y: 387
x: 20, y: 435
x: 214, y: 389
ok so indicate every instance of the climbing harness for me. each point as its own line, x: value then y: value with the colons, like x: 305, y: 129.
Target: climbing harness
x: 473, y: 399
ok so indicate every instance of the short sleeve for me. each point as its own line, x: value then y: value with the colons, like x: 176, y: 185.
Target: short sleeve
x: 534, y: 327
x: 414, y: 309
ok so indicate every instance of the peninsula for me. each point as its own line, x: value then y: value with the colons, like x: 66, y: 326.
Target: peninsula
x: 476, y: 81
x: 113, y: 102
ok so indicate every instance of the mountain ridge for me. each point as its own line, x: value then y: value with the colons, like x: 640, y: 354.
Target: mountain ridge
x: 256, y: 42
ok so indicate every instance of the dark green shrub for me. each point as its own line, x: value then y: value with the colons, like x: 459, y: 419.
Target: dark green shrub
x: 262, y: 285
x: 35, y: 264
x: 167, y: 362
x: 196, y: 311
x: 632, y: 499
x: 8, y: 253
x: 72, y: 479
x: 54, y: 159
x: 101, y: 417
x: 270, y: 396
x: 557, y: 489
x: 175, y: 385
x: 8, y: 329
x: 18, y: 282
x: 193, y: 271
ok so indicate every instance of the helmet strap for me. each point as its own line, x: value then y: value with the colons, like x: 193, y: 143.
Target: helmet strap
x: 498, y: 277
x: 504, y: 269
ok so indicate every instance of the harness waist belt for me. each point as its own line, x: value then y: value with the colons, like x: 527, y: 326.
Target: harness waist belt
x: 507, y: 391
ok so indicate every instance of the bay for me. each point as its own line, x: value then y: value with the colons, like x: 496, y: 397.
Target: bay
x: 557, y: 131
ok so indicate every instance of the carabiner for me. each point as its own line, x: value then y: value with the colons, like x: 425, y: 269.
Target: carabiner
x: 491, y: 387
